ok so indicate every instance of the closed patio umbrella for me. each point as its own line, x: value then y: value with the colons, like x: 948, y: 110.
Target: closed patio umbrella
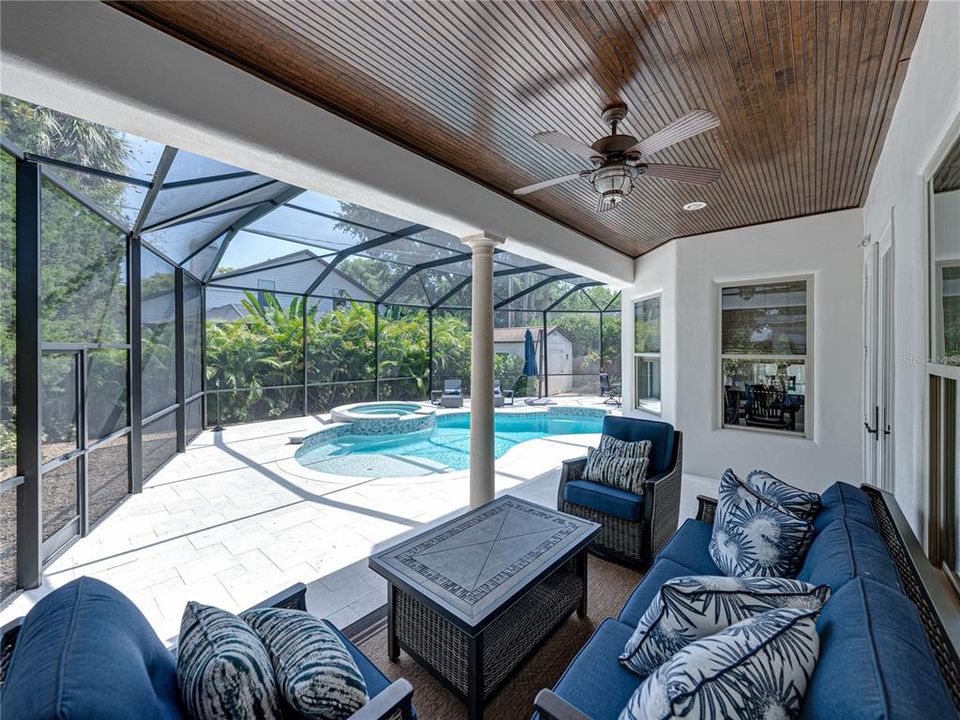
x: 530, y: 368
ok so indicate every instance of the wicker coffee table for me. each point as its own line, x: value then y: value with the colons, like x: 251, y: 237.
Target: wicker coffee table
x: 472, y: 598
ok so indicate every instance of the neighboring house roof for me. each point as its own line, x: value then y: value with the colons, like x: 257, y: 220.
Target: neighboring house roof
x: 226, y: 313
x: 518, y: 334
x: 304, y: 255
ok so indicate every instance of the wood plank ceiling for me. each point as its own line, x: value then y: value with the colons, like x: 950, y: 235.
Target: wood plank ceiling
x: 804, y: 91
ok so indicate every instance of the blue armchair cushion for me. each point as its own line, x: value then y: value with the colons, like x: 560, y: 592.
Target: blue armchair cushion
x: 617, y: 471
x: 758, y: 668
x: 752, y: 537
x: 845, y: 549
x: 695, y: 606
x: 660, y: 435
x: 594, y: 682
x: 802, y: 503
x: 842, y: 500
x: 875, y: 660
x: 223, y: 668
x: 373, y: 677
x: 623, y: 448
x: 689, y: 547
x: 317, y: 677
x: 85, y: 652
x: 603, y: 498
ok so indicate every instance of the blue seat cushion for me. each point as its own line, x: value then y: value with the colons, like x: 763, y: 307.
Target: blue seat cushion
x: 606, y: 499
x: 86, y: 652
x: 660, y: 435
x: 843, y: 500
x: 594, y: 682
x: 844, y: 550
x: 875, y: 661
x: 374, y: 678
x: 661, y: 571
x: 689, y: 547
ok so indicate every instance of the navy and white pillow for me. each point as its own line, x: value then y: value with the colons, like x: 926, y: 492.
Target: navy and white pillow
x: 223, y: 668
x: 754, y: 670
x: 625, y: 448
x: 802, y: 503
x: 620, y: 472
x: 316, y: 674
x: 753, y: 537
x: 696, y: 606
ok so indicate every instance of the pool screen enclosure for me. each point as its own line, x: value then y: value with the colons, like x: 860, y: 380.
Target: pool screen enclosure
x: 149, y: 292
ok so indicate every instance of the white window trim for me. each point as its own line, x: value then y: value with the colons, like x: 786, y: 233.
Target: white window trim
x: 808, y: 358
x: 637, y: 404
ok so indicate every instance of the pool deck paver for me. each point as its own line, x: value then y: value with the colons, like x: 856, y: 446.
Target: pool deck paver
x: 234, y: 520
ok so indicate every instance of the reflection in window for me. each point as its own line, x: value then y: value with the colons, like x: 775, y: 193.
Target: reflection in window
x: 646, y: 353
x: 763, y: 355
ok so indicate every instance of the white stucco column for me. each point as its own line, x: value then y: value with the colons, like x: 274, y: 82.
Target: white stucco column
x: 481, y: 370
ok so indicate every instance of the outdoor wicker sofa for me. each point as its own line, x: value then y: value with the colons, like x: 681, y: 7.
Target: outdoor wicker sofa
x: 65, y: 679
x: 635, y: 527
x: 889, y: 634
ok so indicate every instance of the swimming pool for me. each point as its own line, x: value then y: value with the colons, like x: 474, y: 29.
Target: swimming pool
x: 442, y: 448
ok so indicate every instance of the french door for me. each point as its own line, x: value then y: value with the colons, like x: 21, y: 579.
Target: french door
x: 878, y: 360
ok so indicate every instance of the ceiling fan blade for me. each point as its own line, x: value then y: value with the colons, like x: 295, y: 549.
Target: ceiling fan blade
x: 562, y: 142
x: 527, y: 189
x: 686, y: 127
x: 684, y: 173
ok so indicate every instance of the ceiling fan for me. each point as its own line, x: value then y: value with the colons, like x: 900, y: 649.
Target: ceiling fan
x: 619, y: 159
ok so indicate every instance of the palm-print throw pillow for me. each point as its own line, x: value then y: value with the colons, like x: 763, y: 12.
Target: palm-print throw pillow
x: 223, y: 669
x: 317, y: 675
x: 753, y: 537
x: 802, y: 503
x: 696, y: 606
x: 624, y: 448
x: 754, y: 670
x: 620, y: 472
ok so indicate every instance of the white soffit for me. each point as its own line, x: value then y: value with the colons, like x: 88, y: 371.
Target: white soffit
x: 89, y: 60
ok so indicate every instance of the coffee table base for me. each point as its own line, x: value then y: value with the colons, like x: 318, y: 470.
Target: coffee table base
x: 475, y: 667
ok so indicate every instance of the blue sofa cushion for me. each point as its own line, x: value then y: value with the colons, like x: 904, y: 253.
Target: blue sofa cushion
x: 875, y: 661
x: 85, y: 652
x: 689, y: 547
x: 606, y: 499
x: 753, y: 537
x: 594, y: 682
x: 846, y: 549
x: 758, y: 668
x: 660, y: 435
x: 843, y: 500
x: 659, y: 573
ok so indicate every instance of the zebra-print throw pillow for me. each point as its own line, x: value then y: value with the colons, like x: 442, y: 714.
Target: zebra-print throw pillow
x: 805, y: 505
x: 754, y: 670
x: 696, y: 606
x: 623, y: 448
x: 316, y: 673
x: 223, y: 669
x: 619, y: 472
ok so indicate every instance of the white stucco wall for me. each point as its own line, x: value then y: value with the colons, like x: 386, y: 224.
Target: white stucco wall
x: 687, y: 272
x: 923, y: 123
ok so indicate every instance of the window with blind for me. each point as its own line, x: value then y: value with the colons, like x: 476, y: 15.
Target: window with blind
x: 765, y: 376
x: 646, y: 354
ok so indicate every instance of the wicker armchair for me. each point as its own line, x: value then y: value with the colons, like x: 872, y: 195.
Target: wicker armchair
x: 634, y: 541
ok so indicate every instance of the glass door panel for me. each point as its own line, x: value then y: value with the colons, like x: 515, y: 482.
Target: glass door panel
x: 60, y: 501
x: 59, y: 404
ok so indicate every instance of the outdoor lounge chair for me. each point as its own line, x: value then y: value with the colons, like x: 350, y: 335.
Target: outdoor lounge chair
x: 452, y: 396
x: 500, y: 395
x: 635, y: 527
x: 610, y: 393
x: 107, y: 631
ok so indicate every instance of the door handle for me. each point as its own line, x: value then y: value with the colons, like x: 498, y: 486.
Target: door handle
x: 876, y: 422
x: 871, y: 430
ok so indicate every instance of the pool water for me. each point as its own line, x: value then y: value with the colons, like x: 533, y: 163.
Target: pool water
x: 443, y: 448
x: 385, y: 409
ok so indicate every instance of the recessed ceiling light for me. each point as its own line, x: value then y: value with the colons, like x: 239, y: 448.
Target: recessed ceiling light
x: 698, y: 205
